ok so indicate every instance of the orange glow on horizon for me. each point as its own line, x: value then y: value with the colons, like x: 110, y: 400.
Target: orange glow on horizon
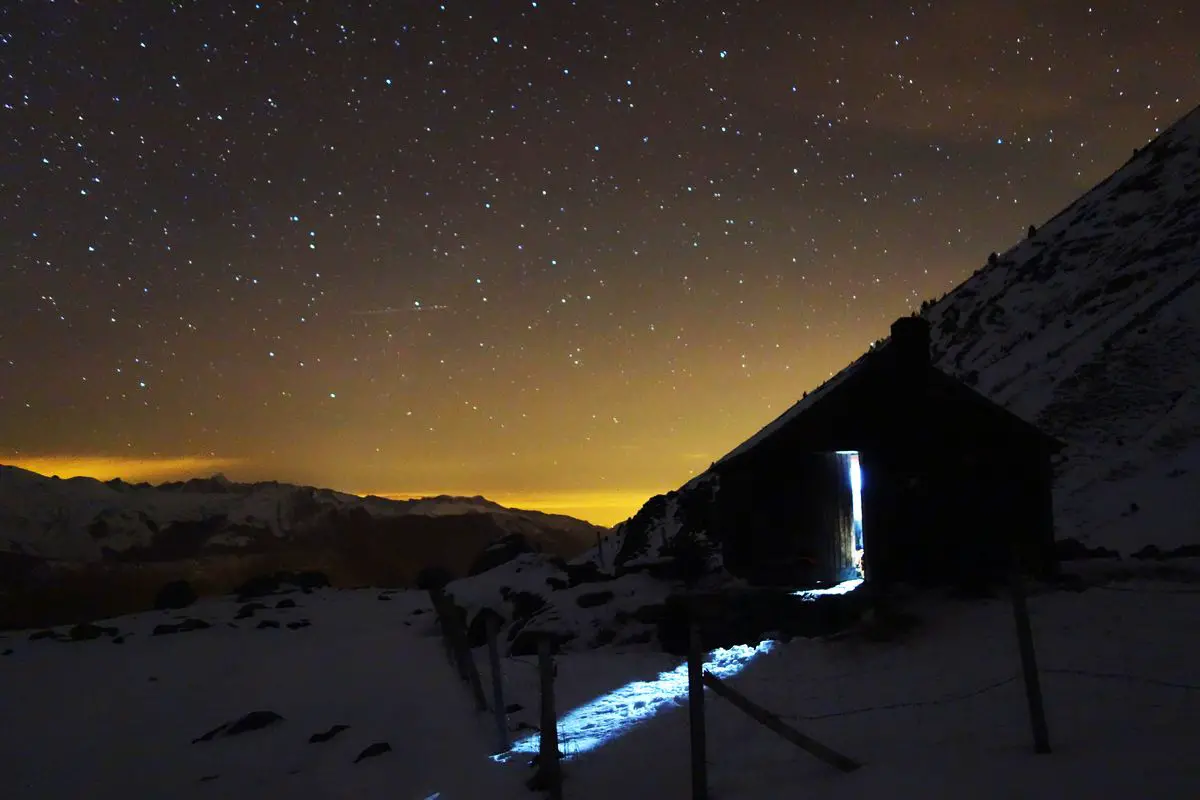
x: 600, y: 507
x: 130, y: 469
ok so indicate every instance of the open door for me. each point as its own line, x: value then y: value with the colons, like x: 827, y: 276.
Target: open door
x: 850, y: 525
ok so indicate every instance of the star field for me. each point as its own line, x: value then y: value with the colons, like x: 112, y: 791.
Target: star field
x: 564, y: 254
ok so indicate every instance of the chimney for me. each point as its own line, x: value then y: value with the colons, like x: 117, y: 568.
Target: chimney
x: 910, y: 343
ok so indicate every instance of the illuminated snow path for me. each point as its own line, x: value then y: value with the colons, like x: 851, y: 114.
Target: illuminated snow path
x: 615, y: 713
x: 845, y: 587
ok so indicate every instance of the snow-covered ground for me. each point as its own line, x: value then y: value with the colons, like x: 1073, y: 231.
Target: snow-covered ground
x: 937, y: 711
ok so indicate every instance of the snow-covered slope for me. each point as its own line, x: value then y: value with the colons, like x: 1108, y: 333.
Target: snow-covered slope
x: 86, y: 520
x: 1090, y: 328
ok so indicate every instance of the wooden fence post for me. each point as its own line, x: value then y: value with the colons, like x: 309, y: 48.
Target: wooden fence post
x: 456, y: 634
x: 696, y: 712
x: 1029, y: 669
x: 438, y: 598
x: 493, y: 633
x: 549, y: 769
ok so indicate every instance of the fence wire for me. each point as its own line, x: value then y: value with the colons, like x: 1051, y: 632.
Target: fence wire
x: 952, y: 698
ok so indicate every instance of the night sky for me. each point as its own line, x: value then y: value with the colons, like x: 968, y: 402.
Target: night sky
x: 563, y: 254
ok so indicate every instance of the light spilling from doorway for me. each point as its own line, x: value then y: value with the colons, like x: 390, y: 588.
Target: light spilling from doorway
x: 616, y: 713
x: 845, y: 587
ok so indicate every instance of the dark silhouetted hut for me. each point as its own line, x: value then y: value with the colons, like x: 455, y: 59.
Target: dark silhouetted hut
x: 891, y: 469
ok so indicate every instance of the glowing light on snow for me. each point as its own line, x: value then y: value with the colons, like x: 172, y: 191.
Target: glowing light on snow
x: 605, y: 718
x: 845, y: 587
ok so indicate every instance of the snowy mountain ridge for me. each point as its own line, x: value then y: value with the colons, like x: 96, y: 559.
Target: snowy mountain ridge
x: 85, y: 519
x: 1090, y: 328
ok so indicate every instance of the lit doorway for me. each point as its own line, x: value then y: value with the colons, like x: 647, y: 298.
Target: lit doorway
x: 854, y: 541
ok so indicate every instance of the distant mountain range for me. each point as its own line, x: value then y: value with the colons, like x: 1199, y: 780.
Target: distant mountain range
x: 89, y: 520
x: 110, y: 545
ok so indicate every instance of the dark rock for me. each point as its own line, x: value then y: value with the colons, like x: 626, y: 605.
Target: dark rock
x: 258, y: 586
x: 1149, y: 551
x: 33, y: 637
x: 604, y: 636
x: 1158, y: 554
x: 557, y: 584
x: 255, y: 720
x: 247, y: 611
x: 417, y: 611
x: 7, y: 652
x: 302, y: 623
x: 641, y: 637
x: 384, y: 597
x: 189, y: 624
x: 207, y: 778
x: 650, y: 614
x: 586, y: 572
x: 118, y: 640
x: 1072, y: 549
x: 286, y: 603
x: 377, y: 749
x: 513, y: 708
x: 268, y: 623
x: 176, y: 594
x: 499, y: 552
x: 306, y: 579
x: 317, y: 738
x: 1070, y: 583
x: 593, y: 599
x: 85, y: 632
x: 273, y: 583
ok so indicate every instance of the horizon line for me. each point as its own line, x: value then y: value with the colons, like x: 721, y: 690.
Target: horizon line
x: 603, y: 507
